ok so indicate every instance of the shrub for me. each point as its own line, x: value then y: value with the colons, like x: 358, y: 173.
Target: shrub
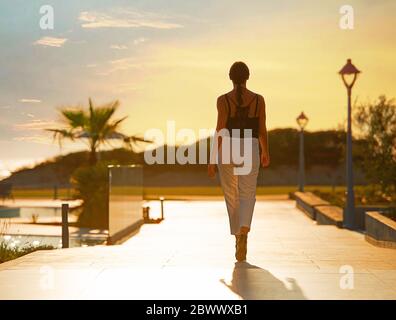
x: 91, y: 185
x: 377, y: 123
x: 9, y: 250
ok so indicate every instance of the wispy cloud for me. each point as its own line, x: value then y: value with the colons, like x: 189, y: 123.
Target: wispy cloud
x: 34, y: 125
x: 120, y: 65
x: 35, y: 139
x: 124, y: 47
x: 26, y: 100
x: 125, y: 87
x: 118, y: 47
x: 34, y: 131
x: 139, y: 40
x: 30, y: 115
x: 5, y: 107
x: 51, y: 42
x: 126, y: 19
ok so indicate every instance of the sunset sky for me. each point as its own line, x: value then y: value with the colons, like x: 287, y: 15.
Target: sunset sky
x: 169, y: 60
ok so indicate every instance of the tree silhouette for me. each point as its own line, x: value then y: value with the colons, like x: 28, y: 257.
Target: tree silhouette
x: 94, y: 126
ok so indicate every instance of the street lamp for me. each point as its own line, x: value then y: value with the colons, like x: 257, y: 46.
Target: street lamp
x: 302, y: 121
x: 349, y: 74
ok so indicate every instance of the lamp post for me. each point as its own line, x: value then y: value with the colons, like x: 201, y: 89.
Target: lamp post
x: 349, y: 74
x: 302, y: 121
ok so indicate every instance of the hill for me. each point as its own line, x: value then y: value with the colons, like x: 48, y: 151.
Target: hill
x: 324, y: 153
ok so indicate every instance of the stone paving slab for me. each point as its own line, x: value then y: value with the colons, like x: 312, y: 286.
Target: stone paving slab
x: 190, y: 256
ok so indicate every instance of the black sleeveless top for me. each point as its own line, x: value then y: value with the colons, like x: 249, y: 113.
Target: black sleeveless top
x: 241, y: 119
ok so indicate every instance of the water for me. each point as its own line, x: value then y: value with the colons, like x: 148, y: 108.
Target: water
x: 29, y: 212
x: 47, y: 214
x: 55, y: 242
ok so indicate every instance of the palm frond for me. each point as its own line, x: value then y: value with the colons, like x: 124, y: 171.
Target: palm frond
x: 74, y: 118
x: 63, y: 133
x: 60, y: 134
x: 95, y: 126
x: 132, y: 141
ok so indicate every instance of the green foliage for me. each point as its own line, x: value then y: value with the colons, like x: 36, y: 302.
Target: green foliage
x: 91, y: 185
x: 377, y: 122
x: 321, y: 147
x: 336, y: 198
x: 391, y: 214
x: 10, y: 252
x: 364, y: 195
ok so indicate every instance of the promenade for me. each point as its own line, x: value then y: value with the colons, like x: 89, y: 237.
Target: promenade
x: 190, y: 255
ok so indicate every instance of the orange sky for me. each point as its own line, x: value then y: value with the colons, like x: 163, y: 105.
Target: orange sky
x: 294, y: 65
x: 170, y: 62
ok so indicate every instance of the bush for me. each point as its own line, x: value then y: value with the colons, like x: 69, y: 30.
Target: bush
x: 377, y: 123
x: 9, y: 251
x: 91, y: 185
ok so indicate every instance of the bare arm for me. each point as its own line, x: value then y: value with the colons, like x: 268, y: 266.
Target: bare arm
x: 263, y: 135
x: 221, y: 117
x: 221, y: 124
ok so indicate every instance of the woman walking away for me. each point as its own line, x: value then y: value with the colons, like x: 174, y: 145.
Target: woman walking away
x: 241, y: 114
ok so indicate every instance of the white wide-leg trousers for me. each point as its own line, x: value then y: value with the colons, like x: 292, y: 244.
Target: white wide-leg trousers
x: 240, y: 190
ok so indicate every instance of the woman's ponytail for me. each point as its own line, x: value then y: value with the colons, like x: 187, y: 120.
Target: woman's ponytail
x: 239, y: 73
x: 239, y: 91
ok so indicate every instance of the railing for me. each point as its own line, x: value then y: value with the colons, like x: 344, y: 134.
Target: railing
x: 125, y: 201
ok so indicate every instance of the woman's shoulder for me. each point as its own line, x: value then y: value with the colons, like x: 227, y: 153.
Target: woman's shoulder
x: 260, y: 96
x: 224, y: 95
x: 222, y: 99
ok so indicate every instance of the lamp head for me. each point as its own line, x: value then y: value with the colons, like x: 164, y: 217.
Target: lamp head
x: 349, y: 68
x: 349, y: 73
x: 302, y: 120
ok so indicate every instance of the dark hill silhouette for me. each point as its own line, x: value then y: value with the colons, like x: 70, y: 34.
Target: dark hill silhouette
x: 324, y: 157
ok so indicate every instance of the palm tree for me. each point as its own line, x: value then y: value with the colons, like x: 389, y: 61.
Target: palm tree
x: 94, y: 126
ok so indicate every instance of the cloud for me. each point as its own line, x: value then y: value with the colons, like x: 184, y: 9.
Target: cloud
x: 125, y: 19
x: 120, y: 65
x: 35, y: 139
x: 124, y: 47
x: 139, y: 40
x: 118, y: 47
x: 5, y: 107
x: 30, y: 115
x: 34, y: 125
x: 51, y: 42
x: 34, y: 131
x: 25, y: 100
x: 125, y: 87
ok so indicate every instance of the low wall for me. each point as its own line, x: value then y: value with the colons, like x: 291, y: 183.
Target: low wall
x: 329, y: 215
x: 318, y: 209
x: 380, y: 230
x: 307, y: 202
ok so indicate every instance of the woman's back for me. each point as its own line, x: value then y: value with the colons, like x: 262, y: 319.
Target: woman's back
x: 241, y: 112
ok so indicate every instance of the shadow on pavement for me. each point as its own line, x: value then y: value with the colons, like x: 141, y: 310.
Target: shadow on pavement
x: 251, y: 282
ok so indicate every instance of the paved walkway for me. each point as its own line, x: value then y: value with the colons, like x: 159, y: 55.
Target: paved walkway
x: 190, y: 255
